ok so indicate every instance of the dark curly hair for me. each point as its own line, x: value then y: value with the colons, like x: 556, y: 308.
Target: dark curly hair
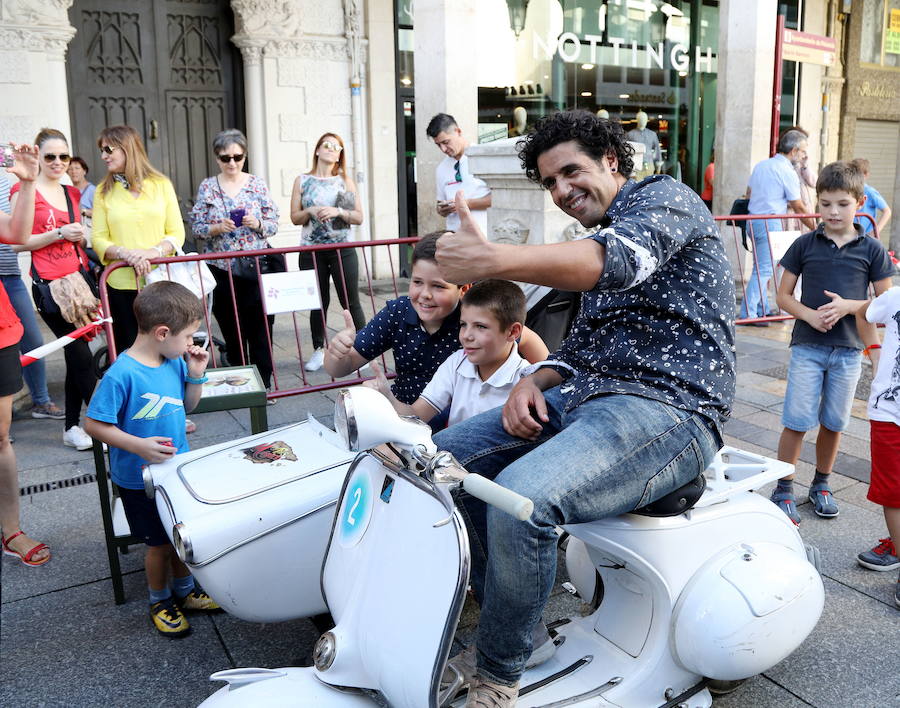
x: 597, y: 137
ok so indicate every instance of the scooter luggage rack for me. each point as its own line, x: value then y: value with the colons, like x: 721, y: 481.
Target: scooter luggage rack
x: 733, y: 471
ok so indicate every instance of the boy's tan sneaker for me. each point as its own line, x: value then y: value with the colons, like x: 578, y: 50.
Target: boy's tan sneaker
x: 487, y: 694
x: 168, y: 620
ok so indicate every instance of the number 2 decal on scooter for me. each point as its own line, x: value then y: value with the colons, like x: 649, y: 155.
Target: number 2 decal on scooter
x: 356, y: 509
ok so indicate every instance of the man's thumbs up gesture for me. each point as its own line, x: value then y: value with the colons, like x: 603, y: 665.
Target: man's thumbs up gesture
x: 465, y: 256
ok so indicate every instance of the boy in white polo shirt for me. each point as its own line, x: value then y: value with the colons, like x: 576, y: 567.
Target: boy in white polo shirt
x: 479, y: 376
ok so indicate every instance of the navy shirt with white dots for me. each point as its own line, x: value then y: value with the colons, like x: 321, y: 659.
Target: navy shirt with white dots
x: 660, y: 321
x: 417, y: 354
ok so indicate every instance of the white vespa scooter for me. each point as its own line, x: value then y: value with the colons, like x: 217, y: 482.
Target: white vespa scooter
x: 721, y: 590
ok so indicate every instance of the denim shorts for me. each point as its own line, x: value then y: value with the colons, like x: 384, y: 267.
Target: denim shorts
x: 820, y: 386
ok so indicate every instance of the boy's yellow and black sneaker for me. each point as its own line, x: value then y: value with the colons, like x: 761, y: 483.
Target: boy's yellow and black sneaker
x: 197, y: 601
x: 168, y: 620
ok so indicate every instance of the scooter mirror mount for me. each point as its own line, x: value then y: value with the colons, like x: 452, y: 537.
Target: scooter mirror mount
x: 365, y: 419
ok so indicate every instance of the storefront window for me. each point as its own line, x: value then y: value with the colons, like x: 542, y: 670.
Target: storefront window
x: 880, y: 36
x: 622, y: 57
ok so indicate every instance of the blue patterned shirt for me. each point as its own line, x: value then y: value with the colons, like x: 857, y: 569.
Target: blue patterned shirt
x: 660, y: 321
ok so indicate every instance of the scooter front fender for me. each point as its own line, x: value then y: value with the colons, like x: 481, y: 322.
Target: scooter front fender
x: 280, y: 688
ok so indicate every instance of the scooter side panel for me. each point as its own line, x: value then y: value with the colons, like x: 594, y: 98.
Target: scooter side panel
x: 294, y: 688
x: 397, y: 559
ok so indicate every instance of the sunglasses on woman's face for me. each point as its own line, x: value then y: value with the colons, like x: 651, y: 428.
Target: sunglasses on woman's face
x: 108, y: 149
x: 328, y: 145
x: 229, y: 158
x: 50, y: 158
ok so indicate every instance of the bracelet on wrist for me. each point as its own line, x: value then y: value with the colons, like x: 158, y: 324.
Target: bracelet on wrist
x: 869, y: 348
x: 192, y: 380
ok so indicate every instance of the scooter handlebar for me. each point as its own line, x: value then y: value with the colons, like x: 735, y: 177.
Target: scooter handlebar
x: 504, y: 499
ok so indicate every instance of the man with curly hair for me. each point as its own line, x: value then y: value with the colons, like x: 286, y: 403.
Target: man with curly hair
x: 630, y: 406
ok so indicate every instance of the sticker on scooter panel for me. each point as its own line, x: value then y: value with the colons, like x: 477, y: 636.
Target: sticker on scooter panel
x: 356, y: 510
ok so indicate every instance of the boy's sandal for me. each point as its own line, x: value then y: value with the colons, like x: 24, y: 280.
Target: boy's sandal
x: 823, y: 501
x: 787, y: 502
x: 26, y: 557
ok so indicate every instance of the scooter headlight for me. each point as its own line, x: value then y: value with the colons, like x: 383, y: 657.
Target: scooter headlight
x: 182, y: 542
x: 149, y: 488
x: 365, y: 419
x: 325, y: 651
x: 345, y: 420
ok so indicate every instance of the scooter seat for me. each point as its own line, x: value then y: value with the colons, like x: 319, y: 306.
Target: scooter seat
x: 677, y: 502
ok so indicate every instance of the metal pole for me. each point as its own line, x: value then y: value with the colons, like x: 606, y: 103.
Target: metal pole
x: 776, y: 86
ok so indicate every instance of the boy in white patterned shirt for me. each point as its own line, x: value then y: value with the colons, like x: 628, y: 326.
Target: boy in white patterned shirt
x: 479, y: 376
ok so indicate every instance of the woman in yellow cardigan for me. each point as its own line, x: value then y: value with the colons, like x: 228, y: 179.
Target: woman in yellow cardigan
x: 136, y: 218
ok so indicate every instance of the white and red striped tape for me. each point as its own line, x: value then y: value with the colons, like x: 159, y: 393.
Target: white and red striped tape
x: 45, y: 349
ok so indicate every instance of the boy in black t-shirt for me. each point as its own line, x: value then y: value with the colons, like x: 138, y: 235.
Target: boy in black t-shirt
x: 837, y: 263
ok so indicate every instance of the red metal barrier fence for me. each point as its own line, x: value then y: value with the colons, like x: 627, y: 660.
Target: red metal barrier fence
x: 288, y: 349
x: 746, y: 258
x: 289, y: 376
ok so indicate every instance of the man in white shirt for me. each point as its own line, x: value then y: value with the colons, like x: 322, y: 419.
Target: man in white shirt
x: 452, y: 174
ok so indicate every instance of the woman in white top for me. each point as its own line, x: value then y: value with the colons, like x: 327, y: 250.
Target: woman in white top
x: 325, y: 202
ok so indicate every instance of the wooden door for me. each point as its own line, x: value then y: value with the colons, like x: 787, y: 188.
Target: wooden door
x: 165, y: 67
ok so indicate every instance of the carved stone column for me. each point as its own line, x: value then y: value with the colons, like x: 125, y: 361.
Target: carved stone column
x: 521, y: 212
x: 34, y: 87
x: 251, y: 51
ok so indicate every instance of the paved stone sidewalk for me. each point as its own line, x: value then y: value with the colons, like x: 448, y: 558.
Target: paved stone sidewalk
x: 63, y: 642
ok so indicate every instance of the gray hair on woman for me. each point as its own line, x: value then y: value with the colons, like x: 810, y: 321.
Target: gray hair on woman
x: 232, y: 136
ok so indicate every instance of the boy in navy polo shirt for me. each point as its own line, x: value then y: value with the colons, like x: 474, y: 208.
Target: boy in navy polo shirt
x: 422, y: 329
x: 837, y: 262
x: 138, y: 410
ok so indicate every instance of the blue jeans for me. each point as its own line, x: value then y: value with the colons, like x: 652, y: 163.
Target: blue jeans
x: 35, y: 375
x: 821, y: 383
x: 608, y: 456
x: 756, y: 300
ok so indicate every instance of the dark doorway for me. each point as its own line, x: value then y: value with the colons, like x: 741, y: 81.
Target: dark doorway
x: 165, y: 67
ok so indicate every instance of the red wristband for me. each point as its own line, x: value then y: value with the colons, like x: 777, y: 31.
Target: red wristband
x: 870, y: 348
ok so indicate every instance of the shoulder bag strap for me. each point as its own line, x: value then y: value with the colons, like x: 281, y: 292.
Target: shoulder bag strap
x: 78, y: 251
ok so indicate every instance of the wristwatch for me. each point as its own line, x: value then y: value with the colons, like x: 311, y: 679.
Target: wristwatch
x: 59, y: 234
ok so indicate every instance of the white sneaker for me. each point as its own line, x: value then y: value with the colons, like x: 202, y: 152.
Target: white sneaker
x: 77, y: 438
x: 316, y: 361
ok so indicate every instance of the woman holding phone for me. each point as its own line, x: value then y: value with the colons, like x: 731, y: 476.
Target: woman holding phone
x: 325, y: 202
x: 15, y: 229
x: 234, y: 212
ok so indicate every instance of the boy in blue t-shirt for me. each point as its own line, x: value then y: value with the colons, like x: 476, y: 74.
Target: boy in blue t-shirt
x: 138, y: 410
x: 422, y: 329
x: 873, y: 204
x: 837, y: 263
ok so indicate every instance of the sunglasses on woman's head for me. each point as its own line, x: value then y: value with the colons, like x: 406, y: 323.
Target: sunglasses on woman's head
x: 328, y: 145
x: 50, y: 158
x: 108, y: 149
x: 229, y: 158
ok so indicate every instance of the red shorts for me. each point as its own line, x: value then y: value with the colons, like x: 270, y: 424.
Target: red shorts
x: 885, y: 446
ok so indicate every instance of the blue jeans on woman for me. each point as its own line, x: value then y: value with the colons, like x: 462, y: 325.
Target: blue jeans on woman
x: 756, y: 300
x: 610, y: 455
x: 35, y: 374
